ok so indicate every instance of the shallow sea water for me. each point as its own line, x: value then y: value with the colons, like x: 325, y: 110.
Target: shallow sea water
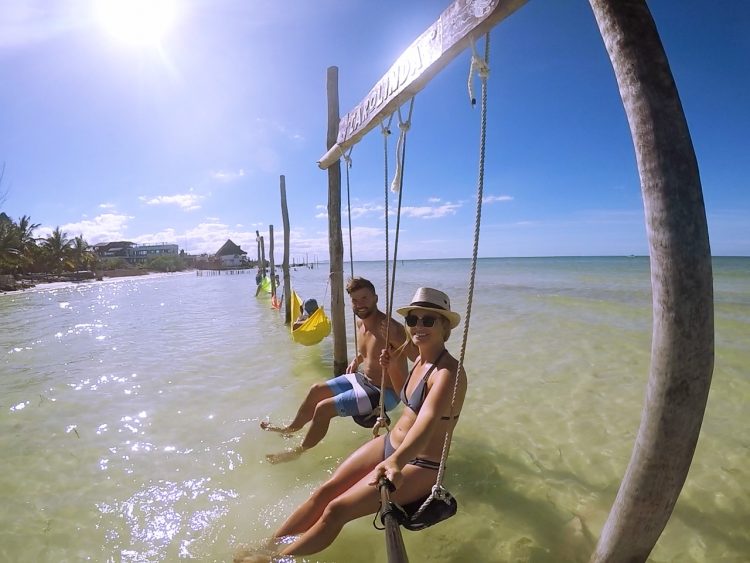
x: 129, y: 414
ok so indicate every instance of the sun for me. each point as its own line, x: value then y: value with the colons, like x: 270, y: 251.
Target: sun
x: 137, y: 22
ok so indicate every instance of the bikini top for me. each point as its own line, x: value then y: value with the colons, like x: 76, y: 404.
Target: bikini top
x: 420, y: 391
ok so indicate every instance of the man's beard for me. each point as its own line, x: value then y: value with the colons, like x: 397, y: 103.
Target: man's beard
x: 365, y: 314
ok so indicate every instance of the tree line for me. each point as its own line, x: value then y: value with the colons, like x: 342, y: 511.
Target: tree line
x: 21, y: 253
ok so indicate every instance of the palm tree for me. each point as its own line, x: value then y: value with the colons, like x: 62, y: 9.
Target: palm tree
x: 682, y: 351
x: 57, y: 246
x: 26, y: 240
x: 79, y: 250
x: 9, y: 252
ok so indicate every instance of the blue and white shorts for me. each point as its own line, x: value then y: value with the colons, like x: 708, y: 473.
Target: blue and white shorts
x: 355, y: 394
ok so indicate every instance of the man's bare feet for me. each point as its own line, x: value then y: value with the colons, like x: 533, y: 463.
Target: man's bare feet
x: 283, y: 430
x: 287, y: 455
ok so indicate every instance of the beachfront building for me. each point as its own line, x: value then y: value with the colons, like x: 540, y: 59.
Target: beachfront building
x: 134, y: 253
x: 231, y: 255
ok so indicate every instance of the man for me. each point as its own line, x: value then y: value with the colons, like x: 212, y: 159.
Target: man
x: 308, y: 308
x: 357, y: 392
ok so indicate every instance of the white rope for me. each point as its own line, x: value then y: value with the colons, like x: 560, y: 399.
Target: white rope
x: 404, y: 127
x: 478, y: 66
x: 399, y: 177
x: 438, y: 491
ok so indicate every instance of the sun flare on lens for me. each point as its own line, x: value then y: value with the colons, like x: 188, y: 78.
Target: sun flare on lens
x: 137, y: 22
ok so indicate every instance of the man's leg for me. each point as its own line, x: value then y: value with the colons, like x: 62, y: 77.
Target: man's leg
x: 321, y: 420
x: 318, y: 392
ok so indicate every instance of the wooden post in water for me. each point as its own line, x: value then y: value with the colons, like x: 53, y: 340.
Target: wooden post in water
x: 262, y: 256
x: 257, y: 245
x: 285, y: 265
x: 335, y: 238
x: 271, y: 268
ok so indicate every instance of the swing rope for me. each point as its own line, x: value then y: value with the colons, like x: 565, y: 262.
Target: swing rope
x: 397, y: 187
x: 482, y: 66
x: 385, y: 130
x: 347, y: 165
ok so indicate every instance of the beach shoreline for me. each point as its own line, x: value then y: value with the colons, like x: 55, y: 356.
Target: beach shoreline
x: 9, y: 284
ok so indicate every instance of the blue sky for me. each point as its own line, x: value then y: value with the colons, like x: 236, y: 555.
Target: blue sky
x: 183, y: 139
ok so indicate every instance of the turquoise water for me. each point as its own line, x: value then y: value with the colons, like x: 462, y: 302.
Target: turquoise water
x: 129, y: 413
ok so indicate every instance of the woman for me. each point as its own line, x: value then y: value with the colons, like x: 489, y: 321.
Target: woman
x: 409, y: 455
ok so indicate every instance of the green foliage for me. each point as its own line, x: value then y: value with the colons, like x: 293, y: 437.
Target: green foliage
x: 166, y: 264
x: 115, y: 263
x: 17, y: 245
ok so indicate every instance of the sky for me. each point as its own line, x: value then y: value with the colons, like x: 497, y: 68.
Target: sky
x: 175, y: 126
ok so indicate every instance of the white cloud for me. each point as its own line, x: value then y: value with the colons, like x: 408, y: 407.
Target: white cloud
x: 188, y: 202
x: 267, y: 126
x: 102, y: 228
x: 495, y: 198
x: 430, y: 212
x: 228, y: 175
x: 365, y: 209
x: 207, y: 237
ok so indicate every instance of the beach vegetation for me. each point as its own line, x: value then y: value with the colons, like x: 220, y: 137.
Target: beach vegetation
x: 166, y: 264
x: 23, y: 255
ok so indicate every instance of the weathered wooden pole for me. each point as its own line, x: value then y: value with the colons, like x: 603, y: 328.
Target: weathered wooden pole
x: 271, y: 268
x: 257, y: 245
x: 263, y: 256
x: 285, y: 265
x: 335, y: 238
x: 682, y: 347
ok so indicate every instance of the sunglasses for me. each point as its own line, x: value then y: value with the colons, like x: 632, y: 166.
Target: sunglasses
x: 427, y: 321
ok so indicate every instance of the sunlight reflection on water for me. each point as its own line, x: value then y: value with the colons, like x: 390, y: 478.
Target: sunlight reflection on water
x: 129, y: 419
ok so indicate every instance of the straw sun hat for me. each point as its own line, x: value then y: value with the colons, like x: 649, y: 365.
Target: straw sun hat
x: 433, y: 300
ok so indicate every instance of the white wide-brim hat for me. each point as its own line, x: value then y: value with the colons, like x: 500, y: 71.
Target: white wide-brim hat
x: 433, y: 300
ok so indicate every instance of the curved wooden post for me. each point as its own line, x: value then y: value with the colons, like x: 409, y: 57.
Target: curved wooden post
x: 682, y: 349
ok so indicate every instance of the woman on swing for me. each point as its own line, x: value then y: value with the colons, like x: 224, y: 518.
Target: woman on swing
x: 409, y: 455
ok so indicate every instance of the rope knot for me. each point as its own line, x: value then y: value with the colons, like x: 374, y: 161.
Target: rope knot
x: 404, y: 126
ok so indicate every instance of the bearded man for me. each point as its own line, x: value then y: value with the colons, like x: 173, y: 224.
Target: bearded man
x: 355, y: 393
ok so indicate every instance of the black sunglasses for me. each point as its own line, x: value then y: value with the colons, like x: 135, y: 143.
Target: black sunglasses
x: 427, y: 321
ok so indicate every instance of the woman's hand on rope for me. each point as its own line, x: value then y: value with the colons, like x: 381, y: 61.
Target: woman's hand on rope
x: 389, y: 470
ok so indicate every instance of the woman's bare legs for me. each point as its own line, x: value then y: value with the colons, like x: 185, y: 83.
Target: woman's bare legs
x: 328, y: 518
x: 358, y: 465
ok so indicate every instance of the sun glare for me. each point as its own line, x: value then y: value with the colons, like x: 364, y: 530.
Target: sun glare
x: 137, y: 22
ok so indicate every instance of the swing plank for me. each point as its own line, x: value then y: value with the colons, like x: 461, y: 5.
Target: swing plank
x: 422, y: 60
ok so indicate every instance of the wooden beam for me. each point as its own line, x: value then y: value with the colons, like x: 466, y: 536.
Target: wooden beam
x: 429, y: 54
